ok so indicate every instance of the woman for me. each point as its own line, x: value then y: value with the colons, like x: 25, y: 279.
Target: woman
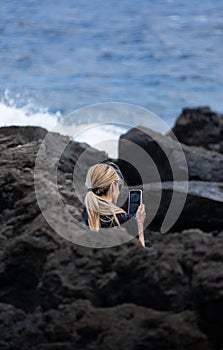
x: 104, y: 182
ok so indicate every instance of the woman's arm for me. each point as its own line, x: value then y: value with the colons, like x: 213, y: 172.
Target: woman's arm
x: 140, y: 218
x: 141, y: 234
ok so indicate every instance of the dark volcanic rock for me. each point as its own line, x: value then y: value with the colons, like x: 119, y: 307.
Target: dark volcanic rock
x: 58, y: 295
x: 81, y: 326
x: 19, y: 135
x: 202, y: 165
x: 203, y: 207
x: 157, y: 162
x: 184, y: 271
x: 200, y: 127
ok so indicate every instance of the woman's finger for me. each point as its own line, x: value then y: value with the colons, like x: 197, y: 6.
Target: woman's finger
x: 142, y: 207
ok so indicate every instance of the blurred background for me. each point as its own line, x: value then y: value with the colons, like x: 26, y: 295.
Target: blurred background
x: 55, y: 57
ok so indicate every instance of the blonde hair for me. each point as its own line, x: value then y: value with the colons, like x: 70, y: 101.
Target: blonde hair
x: 98, y: 180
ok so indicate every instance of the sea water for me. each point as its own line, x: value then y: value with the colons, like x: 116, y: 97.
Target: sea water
x: 58, y: 56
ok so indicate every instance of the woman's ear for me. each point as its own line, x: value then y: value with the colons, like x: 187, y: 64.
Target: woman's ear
x: 112, y: 188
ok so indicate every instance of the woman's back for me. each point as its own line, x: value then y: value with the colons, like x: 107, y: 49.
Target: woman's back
x: 108, y: 220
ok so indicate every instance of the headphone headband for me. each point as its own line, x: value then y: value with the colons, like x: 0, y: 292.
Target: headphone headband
x: 115, y: 166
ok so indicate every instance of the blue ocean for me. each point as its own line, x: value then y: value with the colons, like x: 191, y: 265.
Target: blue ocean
x: 58, y: 56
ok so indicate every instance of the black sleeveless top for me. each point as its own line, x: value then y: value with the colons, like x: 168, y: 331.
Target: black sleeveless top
x: 108, y: 220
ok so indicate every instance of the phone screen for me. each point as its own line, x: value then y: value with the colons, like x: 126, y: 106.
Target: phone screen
x: 135, y: 199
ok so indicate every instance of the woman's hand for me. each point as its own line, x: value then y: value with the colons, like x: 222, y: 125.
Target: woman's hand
x: 141, y: 214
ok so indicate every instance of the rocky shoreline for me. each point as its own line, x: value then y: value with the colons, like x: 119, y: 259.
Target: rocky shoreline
x: 58, y: 295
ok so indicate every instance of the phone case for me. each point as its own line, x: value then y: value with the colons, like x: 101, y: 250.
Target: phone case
x: 140, y: 201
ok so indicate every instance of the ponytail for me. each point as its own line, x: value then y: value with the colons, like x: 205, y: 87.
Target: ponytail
x: 92, y: 206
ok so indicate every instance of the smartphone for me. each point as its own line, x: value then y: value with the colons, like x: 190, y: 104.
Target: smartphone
x: 135, y: 200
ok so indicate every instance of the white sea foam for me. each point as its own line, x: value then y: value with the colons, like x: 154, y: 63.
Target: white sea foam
x: 102, y: 137
x: 12, y: 115
x: 92, y: 124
